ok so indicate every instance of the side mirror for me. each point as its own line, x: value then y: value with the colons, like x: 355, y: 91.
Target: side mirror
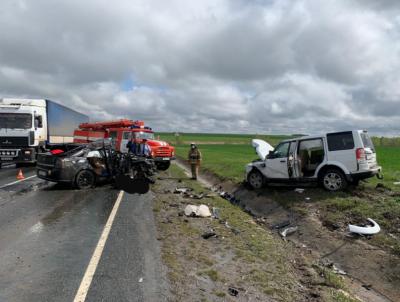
x: 38, y: 121
x: 270, y: 154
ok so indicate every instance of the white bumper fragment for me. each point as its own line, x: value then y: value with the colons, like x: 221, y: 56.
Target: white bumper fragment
x: 368, y: 230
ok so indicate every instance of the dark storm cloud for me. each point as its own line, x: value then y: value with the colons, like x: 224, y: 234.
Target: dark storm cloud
x: 243, y: 66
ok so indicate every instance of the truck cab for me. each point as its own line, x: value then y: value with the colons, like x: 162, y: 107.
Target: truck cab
x: 23, y: 128
x: 161, y: 152
x: 29, y: 126
x: 121, y: 132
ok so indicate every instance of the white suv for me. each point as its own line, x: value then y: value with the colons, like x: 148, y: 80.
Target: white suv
x: 332, y: 159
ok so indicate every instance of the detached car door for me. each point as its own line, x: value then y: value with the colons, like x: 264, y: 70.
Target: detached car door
x: 276, y: 164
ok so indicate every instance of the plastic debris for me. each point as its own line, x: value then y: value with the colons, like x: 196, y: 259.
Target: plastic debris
x: 197, y: 211
x: 233, y: 291
x: 216, y: 213
x: 281, y: 225
x: 367, y: 230
x: 329, y: 264
x: 338, y: 271
x: 397, y: 183
x: 288, y: 231
x: 182, y: 190
x: 299, y: 190
x: 209, y: 234
x: 140, y: 280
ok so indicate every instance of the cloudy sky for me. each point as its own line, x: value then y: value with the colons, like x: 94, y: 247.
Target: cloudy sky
x: 259, y: 66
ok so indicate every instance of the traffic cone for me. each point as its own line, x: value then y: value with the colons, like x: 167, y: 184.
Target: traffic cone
x: 20, y: 176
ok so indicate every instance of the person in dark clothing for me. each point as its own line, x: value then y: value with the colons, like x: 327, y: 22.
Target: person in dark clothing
x: 194, y: 159
x: 139, y: 148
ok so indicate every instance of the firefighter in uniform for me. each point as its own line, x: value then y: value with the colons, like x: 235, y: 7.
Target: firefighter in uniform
x: 194, y: 159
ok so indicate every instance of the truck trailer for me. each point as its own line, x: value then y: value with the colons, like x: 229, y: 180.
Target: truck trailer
x: 30, y: 126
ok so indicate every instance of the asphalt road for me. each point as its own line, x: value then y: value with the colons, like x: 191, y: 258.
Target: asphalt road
x: 49, y: 232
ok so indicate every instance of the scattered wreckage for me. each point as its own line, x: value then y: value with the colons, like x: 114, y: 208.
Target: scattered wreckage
x: 365, y: 230
x: 197, y: 211
x: 85, y: 165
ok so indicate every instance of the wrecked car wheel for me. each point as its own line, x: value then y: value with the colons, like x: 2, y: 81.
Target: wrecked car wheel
x: 85, y: 179
x: 334, y: 180
x: 255, y: 179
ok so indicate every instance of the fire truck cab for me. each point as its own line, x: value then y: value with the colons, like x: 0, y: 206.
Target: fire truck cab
x: 121, y: 132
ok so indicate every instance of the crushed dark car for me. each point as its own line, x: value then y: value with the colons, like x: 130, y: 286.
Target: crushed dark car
x: 83, y: 166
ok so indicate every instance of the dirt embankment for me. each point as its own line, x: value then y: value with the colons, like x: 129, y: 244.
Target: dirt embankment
x: 243, y: 261
x: 373, y: 273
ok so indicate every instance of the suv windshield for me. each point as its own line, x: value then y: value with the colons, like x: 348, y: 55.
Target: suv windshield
x: 144, y: 135
x: 281, y: 150
x: 16, y: 120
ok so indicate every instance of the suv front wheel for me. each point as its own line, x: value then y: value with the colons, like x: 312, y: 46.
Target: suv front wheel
x: 334, y: 180
x: 256, y: 179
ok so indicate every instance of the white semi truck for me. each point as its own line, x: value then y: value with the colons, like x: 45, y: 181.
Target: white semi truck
x: 30, y: 126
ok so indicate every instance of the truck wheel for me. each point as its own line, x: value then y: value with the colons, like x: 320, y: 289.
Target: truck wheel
x: 85, y: 179
x: 334, y: 180
x: 163, y: 166
x: 255, y: 179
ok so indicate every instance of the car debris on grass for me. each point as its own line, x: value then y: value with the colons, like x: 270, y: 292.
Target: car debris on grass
x: 365, y: 230
x: 197, y: 211
x: 238, y: 251
x: 288, y: 231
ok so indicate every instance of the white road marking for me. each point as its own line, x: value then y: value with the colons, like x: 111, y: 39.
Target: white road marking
x: 15, y: 182
x: 94, y: 261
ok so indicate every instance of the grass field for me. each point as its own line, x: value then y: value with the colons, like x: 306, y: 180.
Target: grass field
x: 232, y: 139
x: 227, y: 155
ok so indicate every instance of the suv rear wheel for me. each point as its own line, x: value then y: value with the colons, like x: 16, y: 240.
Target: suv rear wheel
x: 256, y: 179
x: 85, y: 179
x: 334, y: 180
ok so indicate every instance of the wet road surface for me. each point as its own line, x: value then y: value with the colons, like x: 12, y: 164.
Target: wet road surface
x: 48, y: 234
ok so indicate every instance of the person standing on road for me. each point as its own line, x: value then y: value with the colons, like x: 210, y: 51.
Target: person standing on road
x: 194, y: 159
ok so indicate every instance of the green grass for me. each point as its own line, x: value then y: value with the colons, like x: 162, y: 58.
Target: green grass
x: 204, y: 138
x: 227, y: 161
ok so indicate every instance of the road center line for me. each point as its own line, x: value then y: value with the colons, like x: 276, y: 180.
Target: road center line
x: 15, y: 182
x: 94, y: 261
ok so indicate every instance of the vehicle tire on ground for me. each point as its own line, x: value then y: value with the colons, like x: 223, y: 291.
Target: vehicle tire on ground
x: 85, y: 179
x: 163, y: 166
x: 333, y: 180
x: 255, y: 179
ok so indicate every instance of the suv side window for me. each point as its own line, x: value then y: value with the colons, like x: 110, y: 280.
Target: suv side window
x: 340, y: 141
x: 281, y: 150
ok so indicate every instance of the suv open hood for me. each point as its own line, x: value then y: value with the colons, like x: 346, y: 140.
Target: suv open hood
x: 262, y: 148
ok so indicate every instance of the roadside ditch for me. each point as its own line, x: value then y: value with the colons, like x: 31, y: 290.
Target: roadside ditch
x: 370, y: 272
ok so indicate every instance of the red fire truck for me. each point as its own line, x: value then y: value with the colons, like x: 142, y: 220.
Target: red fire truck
x: 121, y: 131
